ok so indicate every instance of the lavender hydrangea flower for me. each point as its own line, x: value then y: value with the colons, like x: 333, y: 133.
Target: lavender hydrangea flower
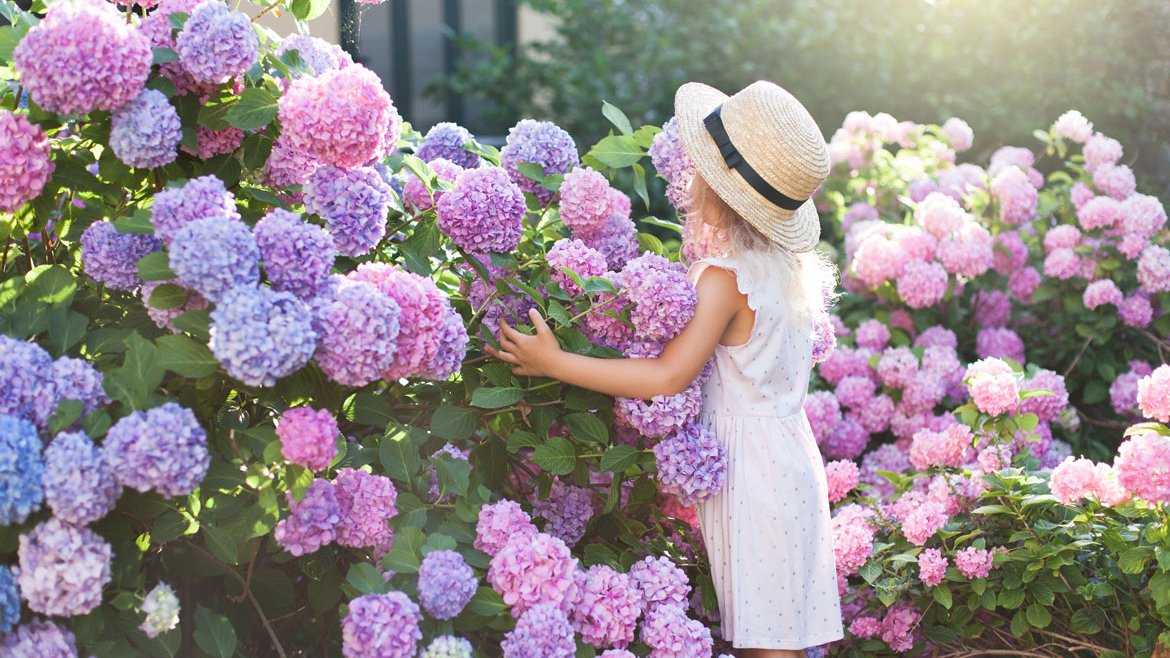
x: 297, y: 255
x: 662, y: 414
x: 83, y: 56
x: 312, y: 521
x: 25, y: 165
x: 577, y: 257
x: 664, y: 299
x: 607, y: 607
x: 317, y: 54
x: 146, y: 131
x: 39, y: 639
x: 260, y: 336
x: 76, y: 379
x: 215, y: 255
x: 353, y: 203
x: 79, y: 486
x: 543, y: 631
x: 446, y: 140
x: 21, y: 470
x: 692, y: 464
x: 381, y: 626
x: 567, y: 511
x: 9, y: 600
x: 451, y: 338
x: 217, y: 44
x: 200, y: 198
x: 111, y: 258
x: 484, y: 212
x: 445, y: 584
x: 447, y: 646
x: 23, y: 393
x: 617, y: 241
x: 500, y: 522
x: 357, y: 328
x: 367, y: 502
x: 287, y: 165
x: 163, y: 449
x: 586, y: 202
x: 308, y: 437
x: 670, y: 634
x: 63, y: 568
x: 161, y: 608
x: 671, y: 162
x: 542, y: 143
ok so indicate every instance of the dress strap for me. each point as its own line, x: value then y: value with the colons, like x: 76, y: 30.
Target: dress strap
x: 747, y: 276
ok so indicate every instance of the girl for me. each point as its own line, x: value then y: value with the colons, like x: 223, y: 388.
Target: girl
x: 759, y: 156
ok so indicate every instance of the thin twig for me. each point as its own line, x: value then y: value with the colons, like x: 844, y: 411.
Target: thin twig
x: 247, y: 592
x: 1084, y: 346
x: 266, y: 10
x: 248, y: 577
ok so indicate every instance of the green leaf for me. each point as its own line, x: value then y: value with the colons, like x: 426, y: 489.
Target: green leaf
x: 454, y: 474
x: 1133, y: 561
x: 616, y: 117
x: 196, y: 323
x: 618, y: 458
x: 1160, y: 590
x: 439, y: 542
x: 67, y: 413
x: 398, y: 454
x: 139, y: 375
x: 372, y: 409
x: 255, y: 109
x: 213, y: 632
x: 1084, y: 622
x: 587, y: 427
x: 178, y: 19
x: 453, y: 423
x: 155, y: 266
x: 183, y: 356
x: 1038, y: 616
x: 401, y: 560
x: 531, y: 170
x: 640, y: 184
x: 496, y: 398
x: 617, y: 151
x: 10, y: 35
x: 164, y: 55
x: 557, y: 456
x: 138, y: 223
x: 942, y: 594
x: 366, y: 578
x: 220, y: 543
x: 487, y: 602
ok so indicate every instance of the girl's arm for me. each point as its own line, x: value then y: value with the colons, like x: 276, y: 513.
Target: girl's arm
x: 719, y: 300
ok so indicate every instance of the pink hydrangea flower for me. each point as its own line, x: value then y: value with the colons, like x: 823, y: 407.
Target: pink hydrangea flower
x: 578, y: 257
x: 1115, y: 180
x: 974, y: 562
x: 823, y: 413
x: 898, y: 627
x: 1080, y: 194
x: 25, y: 166
x: 1072, y: 480
x: 932, y: 566
x: 1100, y: 150
x: 606, y: 608
x: 865, y: 627
x: 999, y: 342
x: 312, y: 521
x: 670, y: 634
x: 950, y: 447
x: 922, y: 284
x: 1102, y: 292
x: 1064, y: 236
x: 992, y: 308
x: 1010, y: 252
x: 1143, y: 466
x: 1073, y: 126
x: 1142, y: 216
x: 994, y: 458
x: 958, y: 133
x: 1153, y: 270
x: 415, y: 191
x: 843, y: 476
x: 533, y: 569
x: 1062, y: 264
x: 853, y: 536
x: 873, y: 335
x: 1016, y: 195
x: 343, y: 117
x: 847, y: 440
x: 1136, y: 311
x: 586, y: 202
x: 367, y: 503
x: 855, y: 391
x: 967, y: 252
x: 993, y: 386
x: 897, y: 367
x: 923, y: 521
x: 1098, y: 212
x: 1046, y: 407
x: 308, y: 437
x: 498, y: 523
x: 1022, y: 283
x: 1154, y: 394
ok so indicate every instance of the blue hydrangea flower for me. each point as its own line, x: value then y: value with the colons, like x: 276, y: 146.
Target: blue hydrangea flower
x: 692, y: 464
x: 77, y: 379
x: 353, y: 203
x: 21, y: 470
x: 23, y: 390
x: 542, y: 143
x: 79, y: 486
x: 447, y: 646
x: 214, y: 256
x: 111, y: 258
x: 543, y: 631
x: 9, y: 600
x: 445, y: 584
x: 146, y: 131
x: 163, y: 450
x: 200, y: 198
x: 260, y: 335
x: 217, y: 44
x: 297, y: 255
x: 446, y: 140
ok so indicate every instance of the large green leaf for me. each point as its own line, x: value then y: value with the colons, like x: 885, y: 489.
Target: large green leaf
x: 140, y: 373
x: 214, y: 633
x: 587, y: 427
x: 617, y: 151
x: 398, y: 454
x: 453, y: 423
x: 495, y: 398
x: 255, y: 109
x: 557, y: 456
x: 183, y: 356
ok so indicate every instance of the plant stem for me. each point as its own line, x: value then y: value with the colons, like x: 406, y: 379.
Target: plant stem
x: 1072, y: 365
x: 247, y: 593
x: 265, y: 11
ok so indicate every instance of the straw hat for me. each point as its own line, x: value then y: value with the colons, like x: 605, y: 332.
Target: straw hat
x: 762, y: 153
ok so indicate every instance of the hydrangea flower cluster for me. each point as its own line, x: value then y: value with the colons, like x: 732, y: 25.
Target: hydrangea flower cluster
x: 993, y: 386
x: 357, y: 328
x: 213, y: 256
x: 146, y: 131
x: 297, y: 255
x: 843, y: 476
x: 260, y: 335
x: 161, y: 608
x: 542, y: 631
x: 500, y: 522
x: 932, y: 566
x: 1154, y: 394
x: 567, y: 511
x: 533, y: 569
x: 111, y: 258
x: 40, y: 639
x: 24, y: 161
x: 63, y: 568
x: 618, y: 238
x: 21, y: 470
x: 79, y: 486
x: 312, y: 521
x: 415, y: 191
x: 974, y: 562
x: 663, y: 298
x: 308, y: 437
x: 447, y: 646
x: 661, y: 415
x: 670, y: 634
x: 287, y: 165
x: 367, y: 502
x: 198, y: 199
x: 163, y: 449
x: 317, y: 54
x: 342, y: 117
x: 606, y: 608
x: 9, y: 600
x: 447, y: 141
x: 853, y: 536
x: 692, y: 464
x: 82, y: 57
x: 1142, y: 465
x: 577, y: 257
x: 445, y: 584
x: 381, y: 626
x: 660, y: 582
x: 672, y: 163
x: 484, y: 212
x: 34, y: 384
x: 587, y: 201
x: 353, y: 203
x: 542, y: 143
x: 216, y: 43
x: 1077, y: 478
x: 950, y: 447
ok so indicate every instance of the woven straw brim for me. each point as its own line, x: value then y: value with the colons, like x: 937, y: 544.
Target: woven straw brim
x: 798, y: 230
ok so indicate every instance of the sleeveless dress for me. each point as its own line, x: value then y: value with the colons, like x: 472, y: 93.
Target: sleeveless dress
x: 768, y: 533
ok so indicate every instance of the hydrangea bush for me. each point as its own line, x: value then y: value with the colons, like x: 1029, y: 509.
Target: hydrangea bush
x: 245, y: 407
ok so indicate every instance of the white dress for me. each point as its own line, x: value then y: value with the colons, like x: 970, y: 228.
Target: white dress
x: 768, y: 532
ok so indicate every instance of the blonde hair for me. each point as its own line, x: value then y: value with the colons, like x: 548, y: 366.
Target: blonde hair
x: 809, y: 278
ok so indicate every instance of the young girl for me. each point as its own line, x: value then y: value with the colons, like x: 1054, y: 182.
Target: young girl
x: 759, y: 156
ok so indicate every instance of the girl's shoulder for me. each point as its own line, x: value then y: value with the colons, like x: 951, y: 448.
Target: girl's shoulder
x: 750, y: 270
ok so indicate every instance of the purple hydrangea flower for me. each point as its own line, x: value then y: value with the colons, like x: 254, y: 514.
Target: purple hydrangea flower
x: 451, y: 339
x: 533, y: 569
x: 308, y: 437
x: 21, y: 470
x: 671, y: 162
x: 215, y: 255
x: 661, y: 582
x: 25, y: 165
x: 663, y: 297
x: 445, y: 584
x: 484, y: 212
x: 447, y: 646
x: 617, y: 241
x: 542, y: 143
x: 353, y: 203
x: 297, y: 255
x: 40, y: 639
x: 146, y: 131
x: 76, y: 379
x: 567, y: 511
x: 578, y: 257
x: 82, y: 57
x: 23, y: 392
x: 586, y: 200
x: 161, y: 608
x: 217, y: 44
x: 692, y: 464
x: 381, y: 626
x: 210, y: 143
x: 287, y: 165
x: 415, y: 191
x: 367, y: 502
x: 357, y: 328
x: 9, y: 600
x: 1046, y: 407
x: 661, y: 414
x: 111, y: 258
x: 260, y: 336
x: 446, y: 141
x: 63, y: 568
x: 500, y: 522
x: 163, y: 449
x: 317, y: 54
x: 200, y: 198
x: 670, y: 634
x: 607, y: 607
x: 542, y: 631
x: 79, y: 486
x: 312, y: 521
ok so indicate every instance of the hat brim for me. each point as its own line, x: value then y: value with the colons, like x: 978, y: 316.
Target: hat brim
x: 798, y: 230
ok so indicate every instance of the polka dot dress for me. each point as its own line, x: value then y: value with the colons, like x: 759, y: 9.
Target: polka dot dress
x: 768, y: 533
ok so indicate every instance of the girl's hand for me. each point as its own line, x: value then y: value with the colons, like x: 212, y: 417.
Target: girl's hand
x: 529, y: 355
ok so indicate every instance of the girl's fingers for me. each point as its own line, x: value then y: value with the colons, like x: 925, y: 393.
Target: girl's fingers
x: 538, y: 321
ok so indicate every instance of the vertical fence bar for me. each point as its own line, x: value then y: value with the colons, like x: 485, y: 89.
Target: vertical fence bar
x: 453, y: 17
x: 347, y: 24
x: 402, y: 64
